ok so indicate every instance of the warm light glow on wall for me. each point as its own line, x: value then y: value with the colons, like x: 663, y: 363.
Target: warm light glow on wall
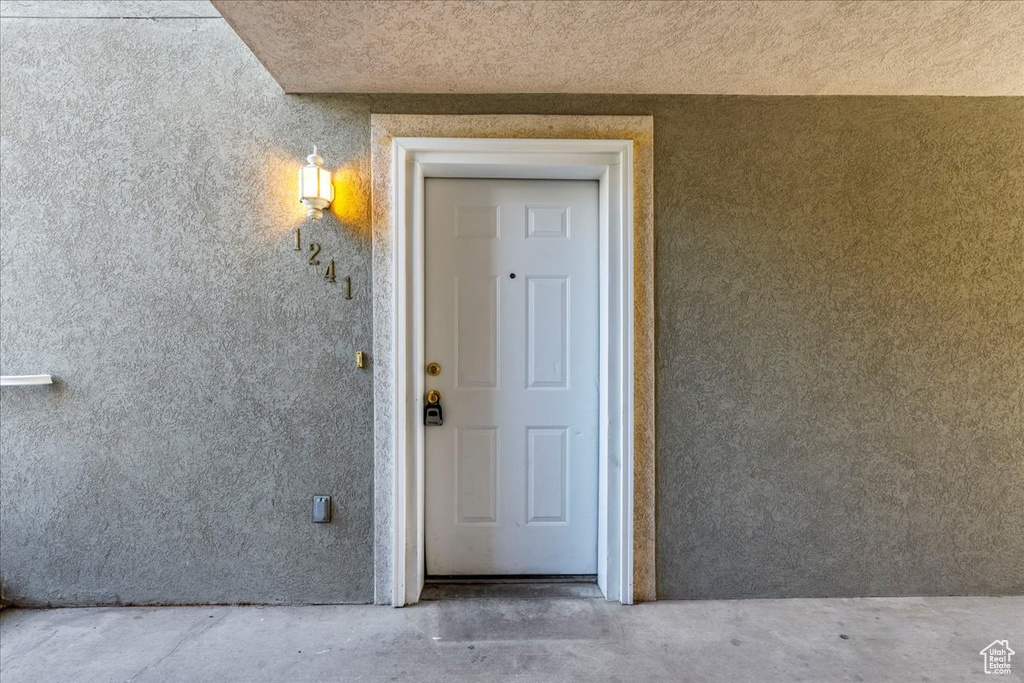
x: 316, y: 191
x: 351, y: 205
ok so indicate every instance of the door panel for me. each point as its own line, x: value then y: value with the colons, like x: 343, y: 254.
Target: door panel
x: 476, y: 454
x: 511, y: 307
x: 476, y: 316
x: 547, y: 325
x: 548, y: 479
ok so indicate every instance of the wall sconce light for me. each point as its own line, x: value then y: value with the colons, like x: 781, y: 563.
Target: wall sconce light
x: 316, y: 192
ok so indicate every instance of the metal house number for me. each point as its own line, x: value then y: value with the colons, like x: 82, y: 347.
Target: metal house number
x: 314, y: 250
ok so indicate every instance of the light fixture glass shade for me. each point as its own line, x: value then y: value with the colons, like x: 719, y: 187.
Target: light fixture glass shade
x: 316, y: 192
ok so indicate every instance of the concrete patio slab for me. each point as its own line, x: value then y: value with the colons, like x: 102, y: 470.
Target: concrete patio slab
x: 869, y: 639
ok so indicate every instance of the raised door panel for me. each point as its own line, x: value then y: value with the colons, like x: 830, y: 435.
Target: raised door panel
x: 476, y: 333
x: 547, y: 222
x: 476, y: 475
x: 547, y: 480
x: 477, y: 222
x: 547, y: 323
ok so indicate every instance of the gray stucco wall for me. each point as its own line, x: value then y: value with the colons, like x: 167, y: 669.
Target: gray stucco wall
x: 840, y: 330
x: 207, y: 379
x: 841, y: 337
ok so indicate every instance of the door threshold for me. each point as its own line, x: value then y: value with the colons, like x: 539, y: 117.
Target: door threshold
x: 512, y: 578
x: 510, y: 587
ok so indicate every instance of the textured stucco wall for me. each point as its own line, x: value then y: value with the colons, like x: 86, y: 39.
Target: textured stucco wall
x: 750, y: 47
x: 840, y: 299
x: 840, y: 351
x: 207, y: 385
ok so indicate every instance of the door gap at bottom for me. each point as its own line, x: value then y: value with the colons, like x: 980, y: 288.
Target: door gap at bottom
x: 514, y: 578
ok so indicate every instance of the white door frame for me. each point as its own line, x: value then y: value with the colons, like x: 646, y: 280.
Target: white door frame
x: 610, y: 162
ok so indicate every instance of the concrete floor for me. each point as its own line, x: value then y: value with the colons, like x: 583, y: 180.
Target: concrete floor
x: 873, y: 639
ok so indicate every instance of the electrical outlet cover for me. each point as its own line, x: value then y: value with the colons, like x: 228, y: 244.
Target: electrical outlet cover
x: 321, y: 509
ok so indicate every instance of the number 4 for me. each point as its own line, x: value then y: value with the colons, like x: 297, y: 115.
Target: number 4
x: 329, y: 275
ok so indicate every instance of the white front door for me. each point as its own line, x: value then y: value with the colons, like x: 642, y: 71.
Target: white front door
x: 511, y: 309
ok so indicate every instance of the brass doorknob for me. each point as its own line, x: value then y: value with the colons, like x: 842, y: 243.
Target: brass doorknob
x: 433, y: 397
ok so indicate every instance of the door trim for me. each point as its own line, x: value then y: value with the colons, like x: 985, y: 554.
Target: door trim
x: 608, y: 162
x: 619, y: 154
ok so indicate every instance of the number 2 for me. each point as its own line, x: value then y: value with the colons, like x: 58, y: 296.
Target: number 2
x: 315, y: 249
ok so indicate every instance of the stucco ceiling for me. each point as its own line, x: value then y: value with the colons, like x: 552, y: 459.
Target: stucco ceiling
x: 611, y: 46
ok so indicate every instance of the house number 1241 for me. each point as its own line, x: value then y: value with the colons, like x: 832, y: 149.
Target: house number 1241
x: 314, y: 260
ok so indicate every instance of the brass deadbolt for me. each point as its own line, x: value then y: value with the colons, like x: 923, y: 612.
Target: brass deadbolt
x: 433, y: 369
x: 433, y: 397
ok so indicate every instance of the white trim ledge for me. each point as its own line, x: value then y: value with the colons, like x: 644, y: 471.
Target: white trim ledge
x: 24, y: 380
